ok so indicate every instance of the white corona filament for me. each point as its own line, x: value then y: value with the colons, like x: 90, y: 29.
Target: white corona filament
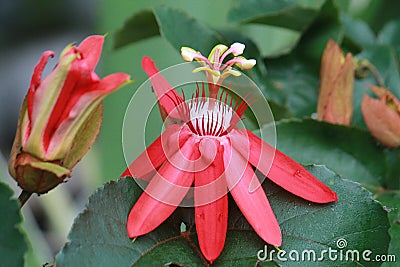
x: 205, y: 121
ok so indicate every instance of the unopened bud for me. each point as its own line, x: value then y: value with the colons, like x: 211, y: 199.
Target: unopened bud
x: 335, y: 100
x: 60, y: 117
x: 382, y: 116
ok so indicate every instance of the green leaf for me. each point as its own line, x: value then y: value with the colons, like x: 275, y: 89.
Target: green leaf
x: 13, y: 243
x: 138, y: 27
x: 392, y: 202
x: 355, y: 218
x: 290, y: 82
x: 176, y: 26
x: 98, y: 236
x: 279, y: 112
x: 350, y: 152
x: 379, y: 13
x: 393, y: 170
x: 390, y: 33
x: 357, y: 31
x: 180, y: 29
x: 271, y: 40
x: 326, y: 26
x: 296, y: 15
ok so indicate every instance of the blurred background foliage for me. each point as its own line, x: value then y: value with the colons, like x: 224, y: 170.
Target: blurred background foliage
x: 30, y: 27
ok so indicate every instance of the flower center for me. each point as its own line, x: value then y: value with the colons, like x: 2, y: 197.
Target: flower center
x: 209, y: 117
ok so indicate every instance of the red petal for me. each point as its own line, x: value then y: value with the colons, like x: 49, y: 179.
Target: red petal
x: 211, y: 218
x: 163, y: 194
x: 155, y: 154
x: 73, y: 101
x: 168, y: 98
x: 91, y: 49
x: 111, y: 83
x: 253, y: 204
x: 284, y: 171
x: 82, y: 79
x: 36, y: 79
x: 78, y: 81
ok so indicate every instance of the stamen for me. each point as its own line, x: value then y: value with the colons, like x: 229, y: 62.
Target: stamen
x: 227, y: 52
x: 215, y: 60
x: 216, y: 71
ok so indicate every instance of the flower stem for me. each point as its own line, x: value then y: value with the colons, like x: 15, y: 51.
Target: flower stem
x: 376, y: 74
x: 363, y: 66
x: 23, y: 197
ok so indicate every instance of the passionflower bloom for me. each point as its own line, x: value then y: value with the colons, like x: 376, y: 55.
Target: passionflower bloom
x: 214, y: 66
x: 382, y: 116
x: 60, y: 116
x: 209, y: 151
x: 335, y: 100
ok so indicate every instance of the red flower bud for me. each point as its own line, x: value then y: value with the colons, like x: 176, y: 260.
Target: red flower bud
x: 335, y: 100
x: 61, y: 116
x: 382, y: 116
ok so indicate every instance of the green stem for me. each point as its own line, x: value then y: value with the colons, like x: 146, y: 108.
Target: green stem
x: 363, y: 66
x: 376, y: 74
x: 23, y: 197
